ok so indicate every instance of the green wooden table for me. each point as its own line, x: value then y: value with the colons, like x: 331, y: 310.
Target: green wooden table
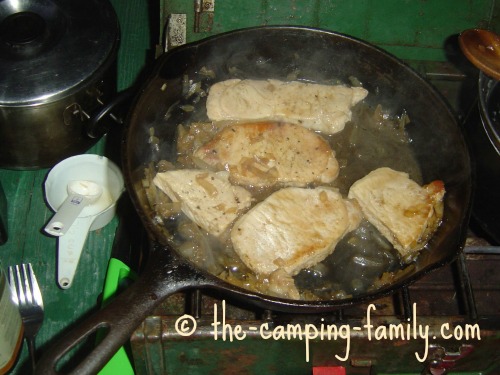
x: 28, y: 212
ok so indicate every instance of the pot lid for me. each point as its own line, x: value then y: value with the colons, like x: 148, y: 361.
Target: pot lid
x: 49, y: 48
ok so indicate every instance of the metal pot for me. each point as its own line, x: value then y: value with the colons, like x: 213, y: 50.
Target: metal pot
x: 483, y: 128
x: 58, y: 64
x: 318, y: 55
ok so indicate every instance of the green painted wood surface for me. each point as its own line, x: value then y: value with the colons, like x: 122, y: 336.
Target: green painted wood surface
x: 28, y: 212
x: 410, y: 29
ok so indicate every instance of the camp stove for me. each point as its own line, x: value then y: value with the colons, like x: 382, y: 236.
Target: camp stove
x: 447, y: 322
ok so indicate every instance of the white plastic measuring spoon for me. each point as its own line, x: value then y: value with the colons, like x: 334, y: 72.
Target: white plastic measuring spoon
x: 80, y: 194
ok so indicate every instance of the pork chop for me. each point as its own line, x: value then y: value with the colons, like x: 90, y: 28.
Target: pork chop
x: 406, y: 213
x: 207, y: 198
x: 269, y: 153
x: 294, y: 228
x: 318, y: 107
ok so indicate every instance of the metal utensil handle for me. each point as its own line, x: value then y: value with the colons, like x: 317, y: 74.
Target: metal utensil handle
x: 164, y: 275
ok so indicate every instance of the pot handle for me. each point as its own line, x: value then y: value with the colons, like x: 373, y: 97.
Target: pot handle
x: 164, y: 275
x: 94, y: 129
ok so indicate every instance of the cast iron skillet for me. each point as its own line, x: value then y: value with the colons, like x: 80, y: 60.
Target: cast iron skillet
x: 273, y: 52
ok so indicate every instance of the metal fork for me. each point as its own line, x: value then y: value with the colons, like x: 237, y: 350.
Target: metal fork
x: 26, y: 294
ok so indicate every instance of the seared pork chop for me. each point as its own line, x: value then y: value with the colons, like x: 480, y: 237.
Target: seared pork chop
x: 318, y: 107
x: 294, y: 228
x: 406, y: 213
x: 269, y: 153
x: 207, y: 198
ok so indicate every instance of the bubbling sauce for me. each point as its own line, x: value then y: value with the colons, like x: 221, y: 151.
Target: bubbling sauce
x: 372, y: 139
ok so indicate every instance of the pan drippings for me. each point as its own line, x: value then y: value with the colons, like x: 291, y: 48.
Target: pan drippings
x: 372, y: 139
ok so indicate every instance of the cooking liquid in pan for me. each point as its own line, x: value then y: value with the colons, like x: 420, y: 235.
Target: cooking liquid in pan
x: 372, y: 139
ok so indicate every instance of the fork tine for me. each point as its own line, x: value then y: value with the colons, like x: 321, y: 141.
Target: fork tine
x: 37, y: 294
x: 27, y: 283
x: 20, y: 291
x: 13, y: 287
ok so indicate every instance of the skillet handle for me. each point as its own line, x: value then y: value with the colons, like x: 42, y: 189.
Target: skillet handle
x: 165, y: 274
